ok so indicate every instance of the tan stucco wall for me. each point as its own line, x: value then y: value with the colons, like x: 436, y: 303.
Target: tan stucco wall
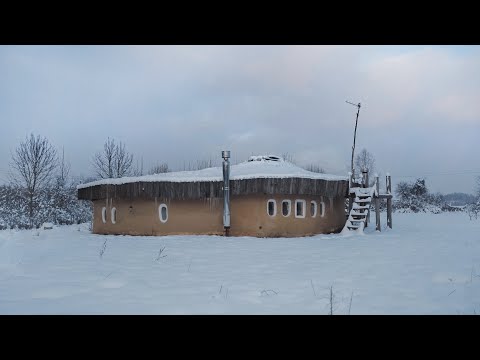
x: 248, y: 217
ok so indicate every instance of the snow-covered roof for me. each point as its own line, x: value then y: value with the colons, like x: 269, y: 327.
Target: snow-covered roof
x: 269, y: 166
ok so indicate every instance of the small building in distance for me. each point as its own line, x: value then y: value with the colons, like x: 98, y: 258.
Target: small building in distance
x: 269, y: 197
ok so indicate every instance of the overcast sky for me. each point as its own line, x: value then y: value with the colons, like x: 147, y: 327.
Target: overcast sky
x: 420, y: 113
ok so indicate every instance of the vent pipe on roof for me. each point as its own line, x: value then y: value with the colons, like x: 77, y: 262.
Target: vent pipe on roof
x: 226, y: 191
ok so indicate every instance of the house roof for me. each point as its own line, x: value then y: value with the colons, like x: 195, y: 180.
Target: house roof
x: 257, y: 167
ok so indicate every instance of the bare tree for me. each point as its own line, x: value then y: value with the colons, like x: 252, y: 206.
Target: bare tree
x: 365, y: 160
x: 350, y: 305
x: 62, y: 190
x: 199, y: 165
x: 113, y: 162
x: 289, y: 157
x: 204, y: 164
x: 123, y: 160
x: 478, y: 188
x: 103, y: 162
x: 34, y: 162
x: 83, y: 179
x: 159, y: 169
x: 63, y: 171
x: 331, y: 300
x: 315, y: 168
x: 138, y: 169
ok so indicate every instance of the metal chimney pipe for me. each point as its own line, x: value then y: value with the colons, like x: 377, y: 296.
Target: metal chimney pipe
x: 226, y: 191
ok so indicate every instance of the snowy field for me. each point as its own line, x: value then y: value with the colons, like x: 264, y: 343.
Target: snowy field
x: 428, y: 264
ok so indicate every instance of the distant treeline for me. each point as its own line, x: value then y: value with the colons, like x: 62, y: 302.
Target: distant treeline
x: 415, y: 197
x: 459, y: 199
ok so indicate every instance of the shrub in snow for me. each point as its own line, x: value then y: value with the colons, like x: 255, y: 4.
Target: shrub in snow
x: 473, y: 210
x: 57, y: 205
x: 416, y: 198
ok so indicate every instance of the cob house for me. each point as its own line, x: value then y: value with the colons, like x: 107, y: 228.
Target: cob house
x: 265, y: 196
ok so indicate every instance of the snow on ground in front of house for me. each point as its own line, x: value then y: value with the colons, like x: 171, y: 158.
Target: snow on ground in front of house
x: 245, y: 170
x: 427, y: 264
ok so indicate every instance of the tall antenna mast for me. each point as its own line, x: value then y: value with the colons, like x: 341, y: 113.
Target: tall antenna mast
x: 355, y: 133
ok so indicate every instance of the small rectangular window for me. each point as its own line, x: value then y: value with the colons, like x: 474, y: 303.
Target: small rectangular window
x: 113, y: 217
x: 299, y: 208
x: 313, y: 208
x: 163, y: 213
x: 104, y: 215
x: 271, y: 207
x: 286, y: 207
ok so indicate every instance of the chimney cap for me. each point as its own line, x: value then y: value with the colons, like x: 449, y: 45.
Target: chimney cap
x: 226, y: 154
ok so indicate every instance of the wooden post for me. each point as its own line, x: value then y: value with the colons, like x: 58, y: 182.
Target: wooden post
x: 355, y: 133
x: 368, y: 215
x: 389, y: 201
x: 350, y: 199
x: 377, y: 204
x: 365, y: 185
x: 364, y: 178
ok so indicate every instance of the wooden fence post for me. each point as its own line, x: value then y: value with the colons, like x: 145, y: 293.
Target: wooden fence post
x: 365, y: 185
x: 377, y: 204
x: 389, y: 201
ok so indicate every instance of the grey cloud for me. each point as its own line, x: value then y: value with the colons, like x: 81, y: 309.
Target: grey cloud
x: 180, y: 103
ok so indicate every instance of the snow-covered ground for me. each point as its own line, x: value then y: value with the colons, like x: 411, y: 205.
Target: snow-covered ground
x: 428, y: 264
